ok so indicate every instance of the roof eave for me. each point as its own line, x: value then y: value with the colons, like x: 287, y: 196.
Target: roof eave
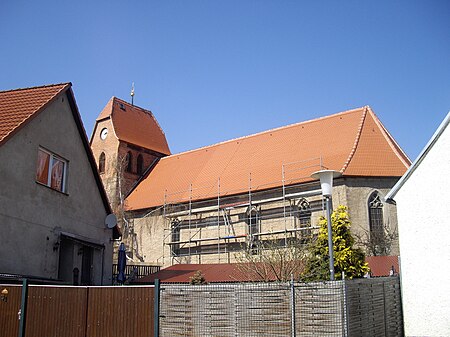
x: 87, y: 147
x: 37, y: 112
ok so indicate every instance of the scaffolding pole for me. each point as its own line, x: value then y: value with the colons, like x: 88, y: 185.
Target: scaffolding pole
x: 218, y: 218
x: 164, y: 218
x: 283, y: 181
x: 190, y: 213
x: 249, y: 226
x: 291, y: 175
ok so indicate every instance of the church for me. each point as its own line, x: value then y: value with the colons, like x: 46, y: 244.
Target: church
x: 208, y: 204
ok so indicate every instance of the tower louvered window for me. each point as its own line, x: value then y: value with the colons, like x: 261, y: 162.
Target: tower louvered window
x: 129, y: 162
x: 139, y: 164
x: 101, y: 163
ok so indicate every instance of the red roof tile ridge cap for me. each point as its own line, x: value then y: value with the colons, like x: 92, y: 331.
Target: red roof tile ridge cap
x: 358, y: 137
x: 64, y: 87
x: 39, y: 87
x: 264, y: 132
x: 143, y: 110
x: 101, y: 119
x: 111, y: 117
x: 391, y: 141
x: 101, y: 112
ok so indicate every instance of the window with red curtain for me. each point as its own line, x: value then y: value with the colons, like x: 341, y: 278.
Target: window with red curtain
x: 51, y: 170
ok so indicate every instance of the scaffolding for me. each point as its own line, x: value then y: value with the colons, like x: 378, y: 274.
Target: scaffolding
x: 188, y: 214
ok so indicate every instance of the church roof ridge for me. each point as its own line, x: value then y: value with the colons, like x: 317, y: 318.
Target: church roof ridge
x: 38, y: 87
x: 276, y: 129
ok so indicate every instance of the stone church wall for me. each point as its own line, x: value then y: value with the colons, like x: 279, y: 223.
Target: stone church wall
x: 199, y: 231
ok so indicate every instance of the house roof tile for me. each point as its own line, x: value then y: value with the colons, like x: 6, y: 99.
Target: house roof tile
x: 382, y: 265
x: 213, y: 273
x: 19, y: 105
x: 235, y: 272
x: 135, y: 125
x: 353, y: 142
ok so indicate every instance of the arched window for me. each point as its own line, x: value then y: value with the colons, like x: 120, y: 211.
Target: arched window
x: 101, y: 163
x: 129, y: 162
x: 375, y: 214
x: 176, y: 230
x: 253, y: 229
x: 140, y: 164
x: 253, y: 221
x: 304, y: 213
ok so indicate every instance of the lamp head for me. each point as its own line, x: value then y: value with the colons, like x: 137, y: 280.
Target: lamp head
x: 326, y: 180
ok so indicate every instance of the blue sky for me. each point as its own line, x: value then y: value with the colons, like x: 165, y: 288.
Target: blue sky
x: 216, y: 70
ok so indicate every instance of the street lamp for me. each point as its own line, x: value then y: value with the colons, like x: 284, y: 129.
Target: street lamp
x: 326, y: 184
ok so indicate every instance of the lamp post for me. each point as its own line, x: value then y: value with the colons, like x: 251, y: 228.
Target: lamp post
x: 326, y: 184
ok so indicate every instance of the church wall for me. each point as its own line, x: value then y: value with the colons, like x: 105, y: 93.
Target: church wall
x: 358, y: 191
x: 109, y: 146
x: 132, y: 176
x: 151, y: 230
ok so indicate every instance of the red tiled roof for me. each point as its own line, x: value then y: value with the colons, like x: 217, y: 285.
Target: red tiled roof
x: 20, y: 105
x: 232, y: 272
x: 213, y: 273
x: 135, y: 125
x: 353, y: 142
x: 382, y: 265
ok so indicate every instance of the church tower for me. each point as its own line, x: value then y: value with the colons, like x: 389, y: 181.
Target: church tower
x: 127, y: 141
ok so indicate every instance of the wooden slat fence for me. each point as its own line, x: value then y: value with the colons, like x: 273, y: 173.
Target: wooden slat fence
x: 66, y: 311
x: 120, y: 311
x: 9, y: 311
x: 56, y: 311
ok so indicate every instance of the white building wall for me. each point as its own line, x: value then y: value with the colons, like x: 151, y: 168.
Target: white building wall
x: 423, y: 209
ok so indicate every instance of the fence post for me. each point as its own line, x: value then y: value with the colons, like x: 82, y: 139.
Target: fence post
x: 293, y: 332
x: 157, y: 301
x: 344, y: 288
x: 23, y: 308
x: 384, y: 309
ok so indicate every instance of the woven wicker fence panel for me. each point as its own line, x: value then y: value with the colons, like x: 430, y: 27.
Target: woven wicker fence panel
x: 393, y: 307
x: 319, y: 309
x: 364, y: 307
x: 374, y: 307
x: 226, y: 310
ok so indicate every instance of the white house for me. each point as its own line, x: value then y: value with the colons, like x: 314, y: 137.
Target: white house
x: 423, y: 210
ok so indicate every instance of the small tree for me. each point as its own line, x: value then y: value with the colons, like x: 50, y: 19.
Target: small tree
x: 273, y: 258
x: 378, y: 242
x: 197, y: 278
x: 117, y: 200
x: 347, y: 259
